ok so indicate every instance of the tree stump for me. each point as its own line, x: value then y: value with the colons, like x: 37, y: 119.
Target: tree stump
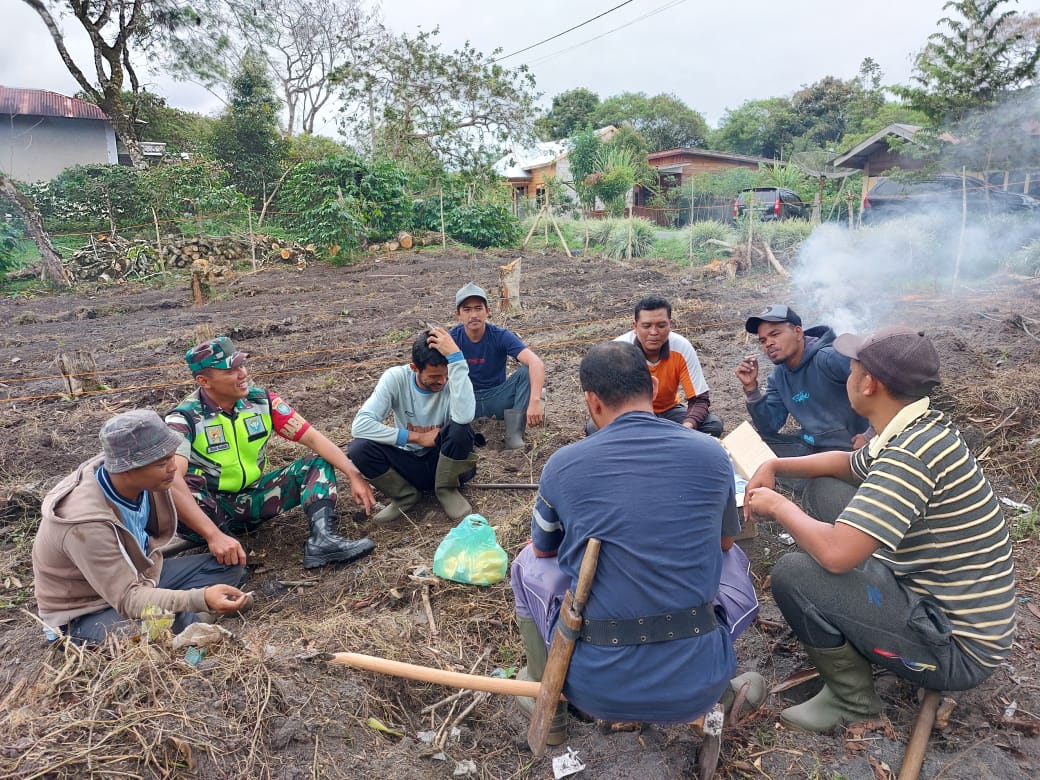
x: 199, y: 289
x: 510, y: 275
x: 79, y: 372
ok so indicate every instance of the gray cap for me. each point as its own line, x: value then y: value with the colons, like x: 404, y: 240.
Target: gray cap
x: 470, y: 291
x: 136, y: 438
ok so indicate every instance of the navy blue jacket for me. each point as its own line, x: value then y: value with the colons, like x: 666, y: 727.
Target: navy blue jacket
x: 813, y: 393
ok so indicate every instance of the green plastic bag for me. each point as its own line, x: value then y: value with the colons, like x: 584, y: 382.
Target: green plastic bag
x: 470, y: 554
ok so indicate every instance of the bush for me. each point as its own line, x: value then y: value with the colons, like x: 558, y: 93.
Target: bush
x: 642, y: 237
x: 10, y: 243
x: 785, y: 233
x: 483, y: 225
x: 91, y: 198
x: 1026, y: 260
x: 181, y: 190
x: 343, y: 201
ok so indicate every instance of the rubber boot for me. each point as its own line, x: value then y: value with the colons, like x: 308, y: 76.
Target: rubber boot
x: 537, y: 655
x: 326, y: 546
x: 848, y: 693
x: 403, y: 494
x: 516, y: 423
x: 754, y: 697
x: 446, y: 485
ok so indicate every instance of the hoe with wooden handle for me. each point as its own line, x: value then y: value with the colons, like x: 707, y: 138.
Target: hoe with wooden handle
x: 568, y: 627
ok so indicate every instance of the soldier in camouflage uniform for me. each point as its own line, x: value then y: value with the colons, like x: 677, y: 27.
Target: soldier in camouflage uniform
x: 225, y: 426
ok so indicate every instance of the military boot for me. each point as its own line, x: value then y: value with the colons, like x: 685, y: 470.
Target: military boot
x: 537, y: 656
x: 446, y: 484
x: 325, y: 545
x: 403, y: 494
x: 848, y: 693
x: 516, y: 423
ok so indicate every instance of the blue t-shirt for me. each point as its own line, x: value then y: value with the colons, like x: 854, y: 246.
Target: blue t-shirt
x: 487, y: 357
x: 654, y: 493
x: 135, y: 514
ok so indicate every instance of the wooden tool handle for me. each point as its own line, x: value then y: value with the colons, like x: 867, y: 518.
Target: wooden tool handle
x: 473, y: 682
x: 922, y: 730
x: 560, y: 653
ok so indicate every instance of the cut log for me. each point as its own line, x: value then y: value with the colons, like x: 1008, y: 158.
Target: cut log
x: 773, y: 261
x: 392, y: 246
x: 79, y: 372
x: 510, y: 275
x: 405, y: 240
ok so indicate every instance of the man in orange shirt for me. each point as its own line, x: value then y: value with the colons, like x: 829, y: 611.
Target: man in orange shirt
x: 673, y: 361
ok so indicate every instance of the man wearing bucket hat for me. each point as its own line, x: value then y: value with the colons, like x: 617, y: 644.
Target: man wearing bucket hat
x: 807, y: 383
x: 97, y: 558
x: 915, y: 574
x: 224, y: 428
x: 516, y: 399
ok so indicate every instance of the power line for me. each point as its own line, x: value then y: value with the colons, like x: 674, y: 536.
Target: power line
x: 553, y: 37
x: 647, y: 15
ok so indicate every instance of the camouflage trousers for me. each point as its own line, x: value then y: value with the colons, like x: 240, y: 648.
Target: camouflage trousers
x: 303, y: 482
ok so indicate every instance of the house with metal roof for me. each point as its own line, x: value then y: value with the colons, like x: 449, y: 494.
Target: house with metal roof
x: 42, y: 133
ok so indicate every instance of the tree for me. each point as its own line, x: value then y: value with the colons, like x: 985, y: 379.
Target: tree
x: 972, y: 64
x: 414, y: 102
x: 571, y: 111
x: 117, y: 29
x: 50, y: 262
x: 765, y: 128
x: 663, y: 120
x: 583, y: 158
x: 245, y: 138
x: 824, y: 111
x: 303, y: 43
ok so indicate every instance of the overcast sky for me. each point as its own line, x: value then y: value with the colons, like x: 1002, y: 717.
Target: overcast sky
x: 712, y: 55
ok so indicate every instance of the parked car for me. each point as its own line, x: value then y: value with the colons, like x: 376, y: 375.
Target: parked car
x: 889, y: 197
x: 770, y: 203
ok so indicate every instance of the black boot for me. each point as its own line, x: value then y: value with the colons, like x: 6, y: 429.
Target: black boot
x: 325, y: 545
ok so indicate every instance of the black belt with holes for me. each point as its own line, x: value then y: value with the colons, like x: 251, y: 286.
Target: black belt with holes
x: 681, y: 624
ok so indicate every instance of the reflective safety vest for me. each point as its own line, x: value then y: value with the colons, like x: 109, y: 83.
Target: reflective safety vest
x: 233, y: 449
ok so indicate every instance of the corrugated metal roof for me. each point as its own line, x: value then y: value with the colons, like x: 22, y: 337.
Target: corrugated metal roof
x: 41, y: 102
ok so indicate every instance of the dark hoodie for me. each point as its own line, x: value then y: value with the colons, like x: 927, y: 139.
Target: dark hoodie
x: 813, y: 393
x: 85, y: 559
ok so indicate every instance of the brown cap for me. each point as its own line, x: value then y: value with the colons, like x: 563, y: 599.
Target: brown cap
x: 136, y: 438
x: 903, y: 359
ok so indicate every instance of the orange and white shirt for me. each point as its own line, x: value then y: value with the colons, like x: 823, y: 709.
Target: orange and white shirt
x: 677, y: 366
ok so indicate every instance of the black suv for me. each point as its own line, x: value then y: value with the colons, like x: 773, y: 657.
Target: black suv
x: 770, y: 203
x: 944, y: 192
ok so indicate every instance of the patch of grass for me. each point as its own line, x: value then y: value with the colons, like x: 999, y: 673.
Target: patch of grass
x: 673, y: 248
x: 629, y: 237
x: 397, y: 335
x: 1025, y: 525
x: 1026, y: 260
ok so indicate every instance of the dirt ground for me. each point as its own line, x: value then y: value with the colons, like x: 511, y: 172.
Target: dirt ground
x: 268, y: 705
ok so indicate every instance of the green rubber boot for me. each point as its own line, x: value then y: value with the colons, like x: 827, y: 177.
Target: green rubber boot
x: 848, y: 694
x: 754, y: 697
x: 446, y: 485
x: 403, y: 494
x: 516, y: 424
x: 537, y: 655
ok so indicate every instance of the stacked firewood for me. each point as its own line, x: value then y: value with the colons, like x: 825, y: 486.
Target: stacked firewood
x: 187, y: 251
x: 108, y: 257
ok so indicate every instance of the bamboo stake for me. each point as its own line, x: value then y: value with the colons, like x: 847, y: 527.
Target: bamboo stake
x: 563, y: 241
x: 252, y: 238
x: 158, y: 241
x: 444, y: 236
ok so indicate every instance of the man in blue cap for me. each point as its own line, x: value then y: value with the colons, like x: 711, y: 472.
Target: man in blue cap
x: 225, y: 426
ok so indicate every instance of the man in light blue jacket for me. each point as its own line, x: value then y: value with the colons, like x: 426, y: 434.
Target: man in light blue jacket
x: 429, y: 445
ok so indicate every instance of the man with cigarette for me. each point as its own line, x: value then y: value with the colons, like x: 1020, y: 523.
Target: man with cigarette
x: 97, y: 558
x: 916, y: 573
x: 807, y: 383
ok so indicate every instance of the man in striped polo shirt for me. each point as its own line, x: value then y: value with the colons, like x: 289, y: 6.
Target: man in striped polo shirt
x: 916, y: 573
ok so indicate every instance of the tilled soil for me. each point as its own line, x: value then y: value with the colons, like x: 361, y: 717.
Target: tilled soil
x: 321, y: 338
